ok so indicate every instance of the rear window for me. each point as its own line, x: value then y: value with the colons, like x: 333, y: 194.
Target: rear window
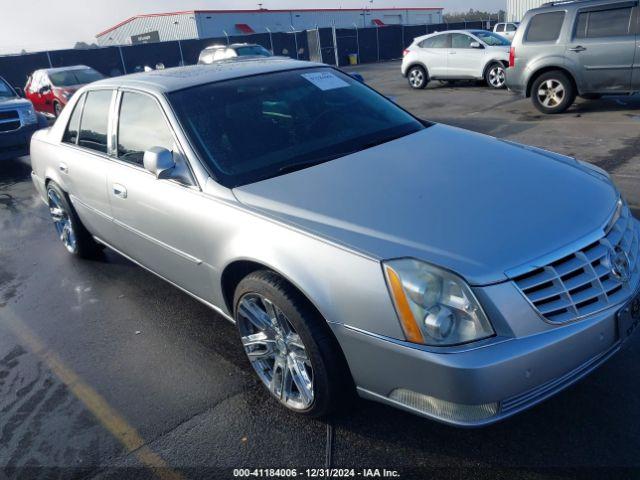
x: 605, y: 23
x: 253, y: 50
x: 67, y: 78
x: 545, y: 27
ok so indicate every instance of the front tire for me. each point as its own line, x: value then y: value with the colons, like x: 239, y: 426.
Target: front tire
x: 496, y: 75
x: 72, y: 233
x: 57, y: 109
x: 417, y: 77
x: 552, y: 93
x: 290, y: 346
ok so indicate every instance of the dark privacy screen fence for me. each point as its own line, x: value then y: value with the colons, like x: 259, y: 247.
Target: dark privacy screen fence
x: 329, y: 45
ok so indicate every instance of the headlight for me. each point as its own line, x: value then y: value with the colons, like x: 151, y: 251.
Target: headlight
x: 28, y: 115
x: 435, y: 307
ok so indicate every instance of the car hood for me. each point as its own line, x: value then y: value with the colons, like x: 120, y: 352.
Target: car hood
x: 13, y: 102
x: 467, y: 202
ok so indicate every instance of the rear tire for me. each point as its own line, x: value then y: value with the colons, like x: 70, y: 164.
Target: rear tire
x: 290, y: 346
x: 496, y: 75
x: 72, y: 233
x: 418, y: 77
x: 553, y: 92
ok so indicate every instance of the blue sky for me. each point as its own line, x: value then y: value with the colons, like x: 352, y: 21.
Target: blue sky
x: 43, y: 24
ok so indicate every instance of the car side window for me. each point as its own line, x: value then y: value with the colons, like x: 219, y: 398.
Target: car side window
x: 73, y: 127
x: 439, y: 41
x: 460, y: 40
x: 141, y: 125
x: 95, y: 120
x: 545, y: 27
x: 604, y: 23
x: 511, y: 27
x: 500, y: 27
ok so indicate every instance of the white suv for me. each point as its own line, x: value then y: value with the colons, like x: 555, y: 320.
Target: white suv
x: 457, y: 55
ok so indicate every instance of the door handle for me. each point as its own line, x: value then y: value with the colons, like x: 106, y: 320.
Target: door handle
x: 119, y: 191
x: 577, y: 49
x: 63, y: 168
x: 452, y: 53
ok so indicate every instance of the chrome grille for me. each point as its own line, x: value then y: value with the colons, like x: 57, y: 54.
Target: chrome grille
x: 583, y: 283
x: 9, y: 120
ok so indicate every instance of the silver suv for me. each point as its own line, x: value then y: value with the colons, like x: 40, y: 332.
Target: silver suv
x: 587, y: 48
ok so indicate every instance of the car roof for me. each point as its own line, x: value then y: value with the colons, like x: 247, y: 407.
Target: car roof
x: 179, y: 78
x: 64, y: 69
x: 472, y: 32
x: 562, y: 4
x: 233, y: 45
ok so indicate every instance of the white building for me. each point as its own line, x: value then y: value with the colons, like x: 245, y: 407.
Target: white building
x: 218, y: 23
x: 517, y: 8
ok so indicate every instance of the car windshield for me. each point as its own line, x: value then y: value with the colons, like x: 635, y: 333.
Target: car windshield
x: 492, y: 39
x: 5, y: 90
x: 253, y: 50
x: 67, y: 78
x: 254, y: 128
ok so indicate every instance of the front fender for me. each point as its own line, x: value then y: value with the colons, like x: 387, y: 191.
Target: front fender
x: 344, y: 286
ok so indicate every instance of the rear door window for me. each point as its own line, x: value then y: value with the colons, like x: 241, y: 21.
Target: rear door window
x: 604, y: 23
x: 439, y: 41
x: 545, y: 27
x: 500, y: 27
x: 94, y: 126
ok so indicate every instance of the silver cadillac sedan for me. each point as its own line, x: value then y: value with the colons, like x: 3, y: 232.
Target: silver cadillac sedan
x: 357, y: 248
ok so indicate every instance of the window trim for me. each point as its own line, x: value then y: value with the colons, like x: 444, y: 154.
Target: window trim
x: 113, y: 137
x: 634, y: 27
x: 79, y: 104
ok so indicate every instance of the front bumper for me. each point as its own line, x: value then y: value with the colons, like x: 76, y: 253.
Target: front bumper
x: 502, y: 376
x: 16, y: 144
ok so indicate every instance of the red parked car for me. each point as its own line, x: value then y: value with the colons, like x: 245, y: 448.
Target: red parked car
x: 49, y: 89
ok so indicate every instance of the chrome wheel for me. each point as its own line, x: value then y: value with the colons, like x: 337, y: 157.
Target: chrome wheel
x: 416, y: 78
x: 62, y: 221
x: 276, y: 351
x: 497, y: 76
x: 551, y: 93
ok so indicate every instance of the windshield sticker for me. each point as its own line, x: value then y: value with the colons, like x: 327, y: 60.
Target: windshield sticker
x: 325, y: 80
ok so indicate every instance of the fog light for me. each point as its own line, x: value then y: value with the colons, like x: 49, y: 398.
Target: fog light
x: 454, y: 412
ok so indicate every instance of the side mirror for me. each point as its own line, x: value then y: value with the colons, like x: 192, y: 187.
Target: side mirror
x: 158, y: 161
x: 357, y: 76
x: 475, y: 45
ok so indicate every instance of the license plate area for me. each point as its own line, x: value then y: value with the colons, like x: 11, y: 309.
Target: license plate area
x: 629, y: 318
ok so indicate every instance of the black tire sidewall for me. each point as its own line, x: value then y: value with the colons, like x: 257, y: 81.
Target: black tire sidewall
x: 425, y: 80
x: 568, y: 100
x: 328, y: 370
x: 488, y: 71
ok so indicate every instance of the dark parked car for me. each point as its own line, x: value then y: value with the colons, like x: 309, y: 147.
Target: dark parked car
x: 50, y: 89
x: 18, y: 121
x: 587, y: 48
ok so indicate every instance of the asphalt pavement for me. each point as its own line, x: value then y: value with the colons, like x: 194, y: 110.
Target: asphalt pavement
x: 109, y: 372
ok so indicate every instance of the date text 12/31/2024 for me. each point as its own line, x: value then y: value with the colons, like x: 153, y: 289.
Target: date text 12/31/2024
x: 315, y: 473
